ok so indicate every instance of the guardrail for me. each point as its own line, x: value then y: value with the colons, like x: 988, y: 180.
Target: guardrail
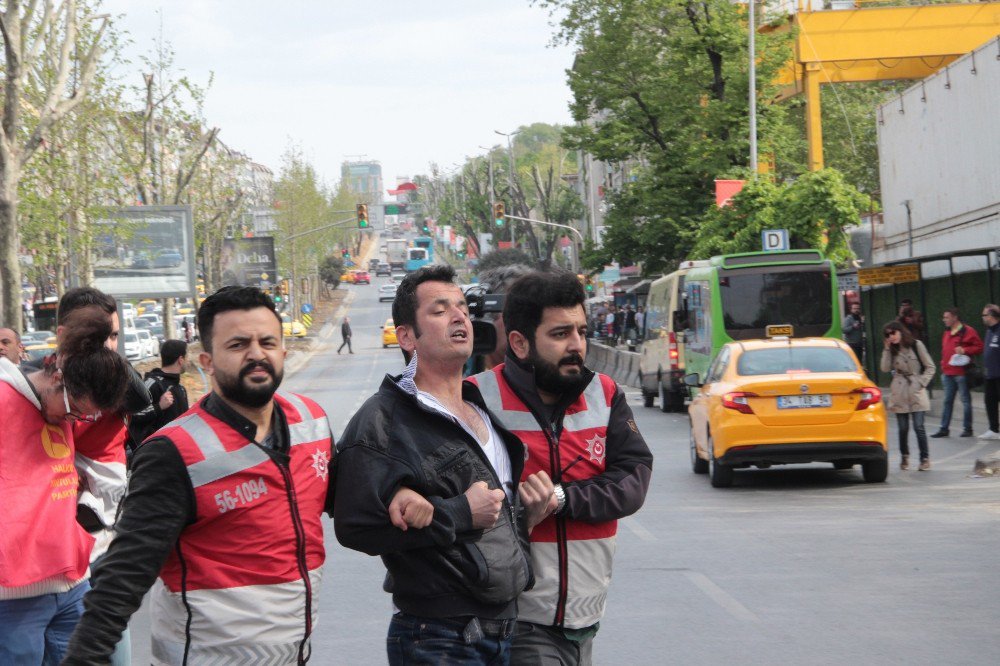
x: 619, y: 364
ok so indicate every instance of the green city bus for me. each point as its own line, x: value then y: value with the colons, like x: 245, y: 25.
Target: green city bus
x: 756, y: 295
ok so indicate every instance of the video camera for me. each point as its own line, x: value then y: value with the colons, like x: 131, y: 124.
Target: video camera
x: 482, y: 303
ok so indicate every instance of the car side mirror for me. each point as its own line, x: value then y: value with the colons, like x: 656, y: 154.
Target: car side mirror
x: 692, y: 379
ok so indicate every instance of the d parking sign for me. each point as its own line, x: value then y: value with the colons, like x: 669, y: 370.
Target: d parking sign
x: 772, y: 240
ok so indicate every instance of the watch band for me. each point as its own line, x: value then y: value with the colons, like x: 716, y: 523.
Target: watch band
x: 560, y: 497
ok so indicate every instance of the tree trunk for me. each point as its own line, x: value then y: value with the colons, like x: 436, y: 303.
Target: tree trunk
x: 10, y: 268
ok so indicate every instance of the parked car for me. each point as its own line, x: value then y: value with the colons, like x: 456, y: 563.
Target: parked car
x: 292, y: 328
x: 150, y: 346
x: 362, y: 277
x: 389, y: 334
x: 142, y: 259
x: 785, y: 401
x: 387, y: 292
x: 133, y: 346
x: 382, y: 268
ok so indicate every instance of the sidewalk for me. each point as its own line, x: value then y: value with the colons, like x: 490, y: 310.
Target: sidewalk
x: 979, y: 421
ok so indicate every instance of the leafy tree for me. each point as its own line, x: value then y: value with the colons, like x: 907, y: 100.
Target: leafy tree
x: 331, y: 269
x: 508, y: 257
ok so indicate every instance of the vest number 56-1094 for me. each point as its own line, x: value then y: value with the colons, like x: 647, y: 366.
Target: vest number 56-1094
x: 244, y: 493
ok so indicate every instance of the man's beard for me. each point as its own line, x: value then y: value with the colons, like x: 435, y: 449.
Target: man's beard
x: 241, y: 392
x: 548, y: 377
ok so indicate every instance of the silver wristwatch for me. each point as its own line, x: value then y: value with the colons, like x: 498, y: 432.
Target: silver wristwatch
x: 560, y: 497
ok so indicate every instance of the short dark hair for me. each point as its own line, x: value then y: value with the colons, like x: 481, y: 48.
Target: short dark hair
x: 81, y: 297
x: 89, y: 368
x: 226, y: 299
x: 172, y: 350
x: 498, y: 280
x: 953, y: 311
x: 531, y: 294
x: 404, y: 307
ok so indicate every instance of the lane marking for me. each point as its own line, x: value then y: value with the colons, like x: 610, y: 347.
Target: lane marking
x: 636, y: 528
x: 721, y: 597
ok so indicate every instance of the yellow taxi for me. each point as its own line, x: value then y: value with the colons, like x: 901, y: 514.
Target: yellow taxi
x: 786, y: 401
x: 348, y: 277
x: 389, y: 334
x: 39, y: 350
x: 147, y: 305
x: 292, y: 328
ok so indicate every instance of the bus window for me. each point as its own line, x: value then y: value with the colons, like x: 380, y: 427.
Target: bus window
x: 754, y: 298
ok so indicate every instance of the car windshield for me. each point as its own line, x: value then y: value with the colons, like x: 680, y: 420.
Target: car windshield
x: 794, y: 359
x: 131, y: 337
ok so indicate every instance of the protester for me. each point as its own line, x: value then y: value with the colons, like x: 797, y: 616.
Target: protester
x: 853, y: 328
x: 44, y: 552
x: 345, y: 333
x: 579, y: 431
x: 959, y: 343
x: 10, y: 345
x: 991, y: 369
x: 913, y: 370
x: 234, y: 586
x: 169, y: 396
x: 454, y: 583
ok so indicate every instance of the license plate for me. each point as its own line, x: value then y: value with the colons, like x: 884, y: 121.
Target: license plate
x: 800, y: 401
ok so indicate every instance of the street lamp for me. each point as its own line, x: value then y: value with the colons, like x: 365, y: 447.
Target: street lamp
x: 510, y: 172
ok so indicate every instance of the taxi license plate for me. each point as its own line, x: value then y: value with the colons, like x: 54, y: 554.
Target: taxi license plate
x: 800, y: 401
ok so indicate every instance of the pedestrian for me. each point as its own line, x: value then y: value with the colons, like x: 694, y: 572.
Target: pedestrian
x: 630, y: 324
x: 913, y: 320
x: 913, y: 370
x: 44, y: 551
x: 188, y: 330
x: 579, y: 431
x: 345, y: 333
x: 853, y: 328
x: 991, y: 369
x: 640, y: 322
x: 10, y: 345
x: 454, y: 583
x: 169, y: 396
x: 958, y: 344
x: 223, y: 509
x: 609, y: 322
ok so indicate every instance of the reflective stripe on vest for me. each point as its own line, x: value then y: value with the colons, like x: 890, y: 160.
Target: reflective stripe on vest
x: 241, y: 554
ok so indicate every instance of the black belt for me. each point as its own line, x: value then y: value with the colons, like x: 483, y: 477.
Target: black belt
x: 497, y: 627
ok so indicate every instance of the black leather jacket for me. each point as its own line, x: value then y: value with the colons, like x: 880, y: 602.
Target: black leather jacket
x: 448, y: 569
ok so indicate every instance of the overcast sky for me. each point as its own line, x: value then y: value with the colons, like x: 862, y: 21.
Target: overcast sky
x: 405, y: 83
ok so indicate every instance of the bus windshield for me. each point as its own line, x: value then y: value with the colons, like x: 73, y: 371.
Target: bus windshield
x: 755, y: 298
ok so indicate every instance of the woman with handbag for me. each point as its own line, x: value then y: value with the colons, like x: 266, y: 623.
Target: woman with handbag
x: 912, y: 370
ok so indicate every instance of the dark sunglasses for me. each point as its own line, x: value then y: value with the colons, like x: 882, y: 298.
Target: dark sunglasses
x: 888, y: 333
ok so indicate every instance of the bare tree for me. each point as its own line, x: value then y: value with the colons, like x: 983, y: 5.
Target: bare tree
x: 29, y: 33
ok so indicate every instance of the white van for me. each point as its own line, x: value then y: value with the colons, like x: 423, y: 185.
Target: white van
x: 661, y: 364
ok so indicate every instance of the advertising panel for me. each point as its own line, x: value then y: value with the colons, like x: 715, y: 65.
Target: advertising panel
x: 145, y: 252
x: 249, y: 262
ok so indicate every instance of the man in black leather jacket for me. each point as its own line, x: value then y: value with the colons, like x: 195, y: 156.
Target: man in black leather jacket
x: 455, y: 581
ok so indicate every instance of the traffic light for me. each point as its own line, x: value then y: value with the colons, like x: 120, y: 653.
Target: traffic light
x: 498, y: 213
x: 362, y: 216
x: 426, y: 229
x: 345, y: 253
x: 589, y: 284
x: 278, y: 292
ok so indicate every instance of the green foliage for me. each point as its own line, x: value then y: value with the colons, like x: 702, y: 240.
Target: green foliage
x: 331, y: 269
x: 508, y: 257
x: 815, y: 209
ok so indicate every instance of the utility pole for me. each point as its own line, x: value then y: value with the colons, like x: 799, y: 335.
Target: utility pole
x: 510, y: 173
x: 753, y: 90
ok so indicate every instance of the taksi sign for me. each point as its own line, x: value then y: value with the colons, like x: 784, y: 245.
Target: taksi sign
x: 773, y: 240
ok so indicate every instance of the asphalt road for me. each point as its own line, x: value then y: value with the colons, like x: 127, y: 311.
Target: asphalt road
x: 793, y: 565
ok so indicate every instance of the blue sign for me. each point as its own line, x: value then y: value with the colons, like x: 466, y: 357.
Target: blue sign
x: 772, y: 240
x: 307, y: 308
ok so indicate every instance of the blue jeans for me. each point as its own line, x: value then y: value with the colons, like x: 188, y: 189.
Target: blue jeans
x: 36, y: 630
x: 420, y: 640
x: 953, y: 383
x: 903, y: 423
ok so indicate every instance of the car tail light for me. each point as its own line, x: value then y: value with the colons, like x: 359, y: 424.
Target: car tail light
x: 870, y: 395
x: 672, y: 351
x: 739, y: 401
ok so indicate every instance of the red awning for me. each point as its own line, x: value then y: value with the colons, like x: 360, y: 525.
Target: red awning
x: 404, y: 187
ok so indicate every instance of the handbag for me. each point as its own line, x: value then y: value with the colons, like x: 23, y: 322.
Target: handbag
x: 973, y: 375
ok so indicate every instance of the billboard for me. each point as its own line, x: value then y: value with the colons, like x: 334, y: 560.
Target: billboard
x: 145, y: 252
x: 249, y: 262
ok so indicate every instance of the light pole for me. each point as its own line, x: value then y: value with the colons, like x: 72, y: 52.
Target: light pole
x: 753, y: 90
x: 510, y: 172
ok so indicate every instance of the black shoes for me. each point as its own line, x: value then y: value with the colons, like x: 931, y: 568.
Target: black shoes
x: 939, y: 434
x: 966, y: 433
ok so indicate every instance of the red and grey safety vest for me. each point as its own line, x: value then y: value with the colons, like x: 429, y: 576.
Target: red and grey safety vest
x: 571, y: 559
x: 241, y: 584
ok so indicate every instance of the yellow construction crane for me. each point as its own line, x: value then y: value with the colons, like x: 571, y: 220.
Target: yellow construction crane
x: 876, y: 44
